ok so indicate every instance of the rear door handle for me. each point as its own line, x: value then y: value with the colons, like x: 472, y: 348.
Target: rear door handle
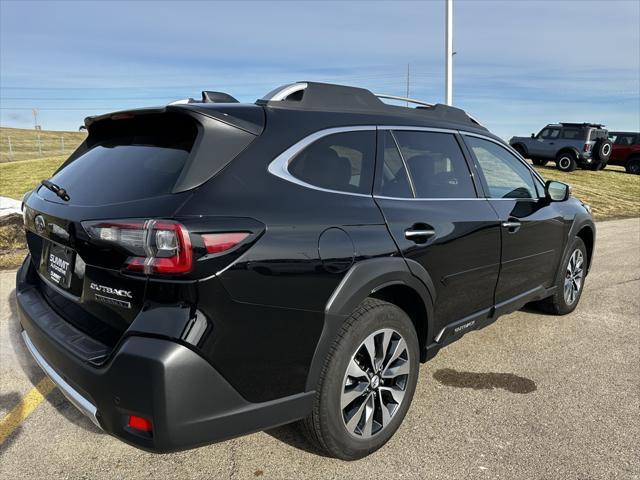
x: 512, y: 225
x: 417, y: 235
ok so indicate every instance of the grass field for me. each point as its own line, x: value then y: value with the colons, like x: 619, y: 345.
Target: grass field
x: 27, y: 144
x: 16, y: 178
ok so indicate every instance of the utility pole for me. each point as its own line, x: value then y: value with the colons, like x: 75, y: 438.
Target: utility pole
x: 10, y: 149
x: 448, y: 40
x: 408, y: 83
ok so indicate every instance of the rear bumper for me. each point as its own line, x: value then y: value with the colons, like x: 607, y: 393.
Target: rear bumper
x: 188, y: 402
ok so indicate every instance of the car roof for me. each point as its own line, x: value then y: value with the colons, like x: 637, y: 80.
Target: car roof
x: 346, y: 105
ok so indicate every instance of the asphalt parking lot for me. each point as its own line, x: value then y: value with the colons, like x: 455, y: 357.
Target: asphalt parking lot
x: 530, y: 397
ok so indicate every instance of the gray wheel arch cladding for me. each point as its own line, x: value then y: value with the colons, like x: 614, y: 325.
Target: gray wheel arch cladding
x: 360, y: 281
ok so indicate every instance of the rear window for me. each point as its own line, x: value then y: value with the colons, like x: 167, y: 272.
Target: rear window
x: 128, y: 159
x: 598, y: 134
x: 342, y: 162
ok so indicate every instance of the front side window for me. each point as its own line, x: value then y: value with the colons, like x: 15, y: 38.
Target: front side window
x: 550, y: 133
x: 436, y: 164
x: 504, y: 174
x: 342, y: 162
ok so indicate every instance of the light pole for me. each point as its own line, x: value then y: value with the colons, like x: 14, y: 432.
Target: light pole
x: 448, y: 62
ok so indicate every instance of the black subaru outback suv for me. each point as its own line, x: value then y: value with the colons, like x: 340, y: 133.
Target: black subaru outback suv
x: 204, y: 270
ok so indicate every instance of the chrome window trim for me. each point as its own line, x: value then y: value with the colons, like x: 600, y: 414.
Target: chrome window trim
x: 279, y: 166
x: 444, y: 199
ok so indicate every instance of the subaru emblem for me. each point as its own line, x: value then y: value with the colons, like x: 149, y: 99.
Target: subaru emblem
x: 40, y: 223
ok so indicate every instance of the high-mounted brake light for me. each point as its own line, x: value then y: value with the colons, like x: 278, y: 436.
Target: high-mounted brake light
x: 221, y: 242
x: 139, y: 423
x: 157, y: 246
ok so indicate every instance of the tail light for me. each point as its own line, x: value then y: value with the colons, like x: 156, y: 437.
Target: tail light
x: 221, y: 242
x: 157, y: 246
x: 587, y: 147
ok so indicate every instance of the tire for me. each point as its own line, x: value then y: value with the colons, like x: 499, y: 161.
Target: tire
x: 633, y: 166
x: 345, y: 433
x: 521, y: 150
x: 602, y: 151
x: 561, y: 303
x: 540, y: 162
x: 566, y: 161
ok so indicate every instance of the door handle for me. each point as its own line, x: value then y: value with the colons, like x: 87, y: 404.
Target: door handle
x: 419, y: 234
x: 512, y: 225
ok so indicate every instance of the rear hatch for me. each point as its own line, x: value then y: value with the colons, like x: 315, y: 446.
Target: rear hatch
x: 96, y: 245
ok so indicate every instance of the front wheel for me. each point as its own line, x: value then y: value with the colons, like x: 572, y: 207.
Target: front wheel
x: 367, y: 383
x: 541, y: 162
x: 566, y: 162
x: 570, y: 281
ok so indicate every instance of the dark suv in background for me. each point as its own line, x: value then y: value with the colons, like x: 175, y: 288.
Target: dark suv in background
x: 204, y: 270
x: 570, y: 145
x: 626, y: 151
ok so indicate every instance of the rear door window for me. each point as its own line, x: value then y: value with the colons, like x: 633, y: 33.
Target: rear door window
x: 394, y: 181
x: 343, y: 162
x: 436, y: 164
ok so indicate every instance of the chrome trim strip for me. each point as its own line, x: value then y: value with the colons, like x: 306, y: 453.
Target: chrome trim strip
x: 280, y: 165
x: 286, y: 91
x: 416, y: 128
x: 381, y: 197
x: 81, y: 403
x: 403, y: 99
x: 508, y: 147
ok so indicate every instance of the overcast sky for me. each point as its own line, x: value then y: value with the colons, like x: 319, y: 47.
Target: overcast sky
x: 519, y: 64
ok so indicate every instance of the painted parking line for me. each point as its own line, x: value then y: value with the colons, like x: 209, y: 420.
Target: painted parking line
x: 27, y: 405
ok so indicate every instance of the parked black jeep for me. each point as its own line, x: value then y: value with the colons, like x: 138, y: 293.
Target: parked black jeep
x: 204, y: 270
x: 571, y: 145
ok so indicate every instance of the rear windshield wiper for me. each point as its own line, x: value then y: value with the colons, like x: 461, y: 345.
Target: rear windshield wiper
x: 59, y: 191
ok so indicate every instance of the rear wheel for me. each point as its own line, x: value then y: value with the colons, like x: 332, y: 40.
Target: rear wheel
x: 367, y: 383
x: 633, y: 166
x: 566, y: 161
x: 570, y: 281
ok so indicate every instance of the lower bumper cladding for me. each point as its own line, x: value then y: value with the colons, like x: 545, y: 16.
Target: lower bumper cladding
x: 81, y: 403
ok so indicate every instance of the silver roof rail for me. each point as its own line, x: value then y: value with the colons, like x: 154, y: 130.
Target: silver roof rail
x: 284, y: 91
x: 403, y: 99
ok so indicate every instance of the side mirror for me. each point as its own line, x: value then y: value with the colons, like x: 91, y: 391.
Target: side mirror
x: 533, y: 135
x: 557, y: 191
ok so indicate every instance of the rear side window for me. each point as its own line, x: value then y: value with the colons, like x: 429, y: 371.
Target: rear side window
x: 342, y: 162
x: 127, y: 160
x: 394, y: 181
x: 570, y: 133
x: 504, y: 174
x: 436, y: 165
